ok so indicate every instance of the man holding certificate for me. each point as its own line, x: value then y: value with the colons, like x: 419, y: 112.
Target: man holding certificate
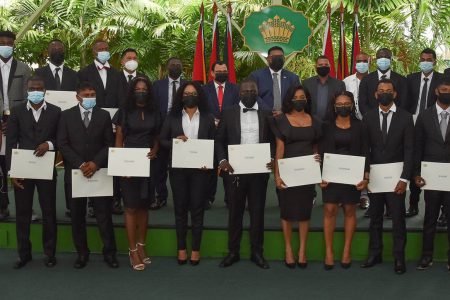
x: 433, y: 145
x: 390, y: 131
x: 84, y: 136
x: 32, y: 126
x: 244, y: 123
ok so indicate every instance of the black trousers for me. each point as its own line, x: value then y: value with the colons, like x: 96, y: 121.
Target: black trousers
x: 433, y: 202
x: 243, y: 188
x: 396, y: 205
x: 212, y: 186
x: 4, y: 199
x: 24, y: 205
x: 414, y: 195
x: 161, y: 166
x: 102, y: 208
x: 189, y: 188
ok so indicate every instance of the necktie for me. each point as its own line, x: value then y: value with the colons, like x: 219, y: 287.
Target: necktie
x: 384, y: 129
x: 276, y: 92
x: 57, y: 79
x: 383, y: 77
x: 444, y: 124
x: 220, y: 96
x: 248, y: 109
x: 174, y: 89
x: 86, y: 119
x: 423, y: 97
x: 130, y: 77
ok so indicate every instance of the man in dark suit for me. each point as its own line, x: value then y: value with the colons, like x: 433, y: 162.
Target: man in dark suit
x: 130, y: 63
x: 84, y: 136
x: 433, y: 145
x: 390, y: 130
x: 368, y: 86
x: 421, y: 95
x: 13, y: 76
x: 164, y: 91
x: 244, y: 123
x: 274, y: 81
x: 32, y: 126
x: 322, y: 89
x: 221, y: 94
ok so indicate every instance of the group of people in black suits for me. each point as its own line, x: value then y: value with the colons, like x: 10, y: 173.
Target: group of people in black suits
x: 271, y: 106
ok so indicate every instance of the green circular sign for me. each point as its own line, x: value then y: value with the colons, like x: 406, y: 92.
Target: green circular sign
x: 276, y: 25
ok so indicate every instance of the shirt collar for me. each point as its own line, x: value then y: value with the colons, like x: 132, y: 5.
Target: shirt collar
x: 197, y: 112
x: 272, y: 71
x: 43, y: 106
x: 134, y: 74
x: 243, y: 106
x: 439, y: 109
x: 178, y: 80
x: 388, y: 74
x: 422, y: 76
x: 393, y: 109
x: 217, y: 84
x: 83, y: 110
x: 100, y: 65
x: 53, y: 67
x: 8, y: 63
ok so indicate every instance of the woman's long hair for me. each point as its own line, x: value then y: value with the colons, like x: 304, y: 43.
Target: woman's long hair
x: 178, y: 105
x: 130, y: 101
x: 346, y: 94
x: 288, y: 106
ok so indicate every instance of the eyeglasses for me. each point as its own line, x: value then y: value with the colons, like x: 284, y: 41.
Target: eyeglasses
x: 189, y: 94
x: 343, y: 105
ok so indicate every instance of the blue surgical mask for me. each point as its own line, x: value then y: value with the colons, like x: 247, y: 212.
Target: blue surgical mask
x: 103, y: 56
x: 88, y: 103
x: 6, y: 51
x: 383, y: 63
x: 362, y: 67
x: 426, y: 66
x: 35, y: 97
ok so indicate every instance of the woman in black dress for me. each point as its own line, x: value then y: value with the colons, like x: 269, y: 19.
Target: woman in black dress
x: 343, y: 136
x: 189, y: 119
x: 138, y: 125
x: 297, y: 134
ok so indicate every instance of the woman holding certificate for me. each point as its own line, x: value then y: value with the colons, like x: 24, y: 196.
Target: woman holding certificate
x: 138, y: 126
x: 344, y: 136
x: 297, y: 134
x: 188, y: 119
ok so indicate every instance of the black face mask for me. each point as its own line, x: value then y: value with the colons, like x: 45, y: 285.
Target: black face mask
x: 299, y: 105
x: 277, y: 63
x: 444, y: 98
x: 141, y: 97
x: 385, y: 98
x: 174, y: 72
x: 248, y: 100
x: 190, y: 101
x: 343, y: 111
x: 323, y: 71
x: 57, y: 58
x: 221, y: 77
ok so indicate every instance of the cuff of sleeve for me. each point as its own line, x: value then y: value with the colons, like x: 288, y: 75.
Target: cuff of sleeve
x: 50, y: 146
x: 404, y: 180
x: 222, y: 161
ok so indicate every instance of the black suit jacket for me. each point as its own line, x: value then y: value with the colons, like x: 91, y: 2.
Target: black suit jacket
x: 229, y: 131
x: 400, y: 140
x: 124, y: 85
x: 413, y: 81
x: 447, y: 72
x: 161, y: 94
x: 78, y: 144
x: 106, y: 96
x: 230, y: 97
x: 429, y: 144
x: 69, y: 78
x: 24, y: 132
x: 368, y: 87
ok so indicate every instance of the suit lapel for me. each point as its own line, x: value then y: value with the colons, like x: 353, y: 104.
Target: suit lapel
x: 261, y: 125
x: 212, y: 90
x: 284, y: 83
x: 12, y: 72
x: 96, y: 75
x: 237, y: 122
x: 378, y: 126
x: 392, y: 126
x: 165, y: 95
x: 48, y: 73
x: 202, y: 129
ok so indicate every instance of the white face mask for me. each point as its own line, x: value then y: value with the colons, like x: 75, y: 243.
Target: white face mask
x: 131, y: 65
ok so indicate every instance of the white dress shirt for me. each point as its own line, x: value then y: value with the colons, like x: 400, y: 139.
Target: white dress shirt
x: 37, y: 115
x: 134, y: 74
x: 170, y: 97
x: 249, y: 125
x: 102, y: 71
x: 217, y: 88
x: 190, y: 126
x: 352, y: 85
x: 83, y: 110
x: 440, y: 110
x: 53, y: 69
x: 388, y: 74
x: 5, y: 68
x: 422, y: 82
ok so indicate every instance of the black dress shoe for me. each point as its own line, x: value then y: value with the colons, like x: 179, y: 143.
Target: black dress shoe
x: 411, y: 212
x: 230, y: 259
x: 208, y: 205
x: 346, y: 265
x: 20, y: 263
x: 111, y: 261
x: 81, y: 262
x: 68, y: 214
x: 289, y: 265
x: 259, y: 260
x: 387, y: 215
x: 181, y: 261
x: 158, y: 203
x: 328, y: 267
x: 91, y: 212
x: 424, y: 263
x: 4, y: 214
x: 399, y: 267
x: 442, y: 220
x: 117, y: 208
x: 367, y: 214
x: 372, y: 261
x: 194, y: 262
x: 50, y: 261
x: 302, y: 265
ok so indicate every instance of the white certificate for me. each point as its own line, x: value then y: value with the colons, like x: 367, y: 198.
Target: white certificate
x: 193, y: 153
x: 3, y: 148
x: 297, y: 171
x: 345, y: 169
x: 384, y: 177
x: 249, y: 158
x: 112, y: 111
x: 62, y: 99
x: 436, y: 176
x: 131, y: 162
x: 99, y: 185
x: 24, y: 164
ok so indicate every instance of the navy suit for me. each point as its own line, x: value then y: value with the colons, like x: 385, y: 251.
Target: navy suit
x: 263, y: 78
x: 161, y: 93
x: 230, y: 97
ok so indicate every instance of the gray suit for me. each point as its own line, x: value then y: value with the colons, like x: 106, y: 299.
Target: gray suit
x: 17, y: 84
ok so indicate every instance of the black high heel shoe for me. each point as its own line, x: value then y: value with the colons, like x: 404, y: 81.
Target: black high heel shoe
x: 194, y: 262
x: 182, y: 261
x: 289, y: 265
x: 328, y: 267
x: 302, y: 265
x: 346, y: 265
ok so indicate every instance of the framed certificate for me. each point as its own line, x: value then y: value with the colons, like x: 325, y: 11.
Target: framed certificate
x: 297, y: 171
x: 345, y: 169
x: 24, y: 164
x: 249, y: 158
x: 436, y: 176
x: 193, y: 153
x: 62, y: 99
x: 99, y: 185
x: 384, y: 177
x: 131, y: 162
